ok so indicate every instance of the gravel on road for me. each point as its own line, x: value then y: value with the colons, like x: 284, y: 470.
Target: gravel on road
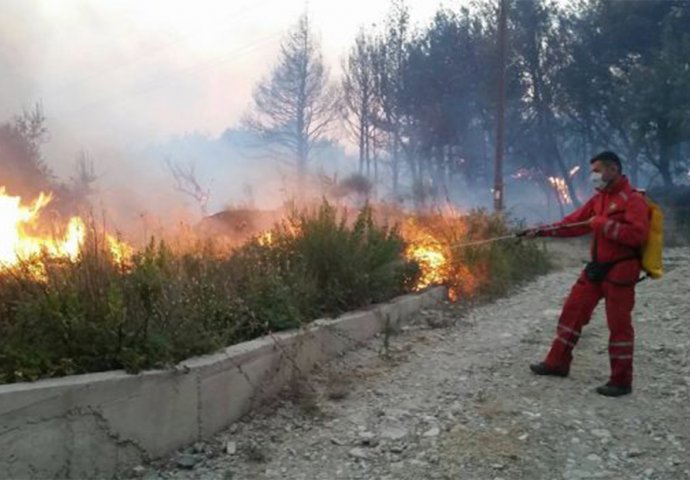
x: 452, y: 398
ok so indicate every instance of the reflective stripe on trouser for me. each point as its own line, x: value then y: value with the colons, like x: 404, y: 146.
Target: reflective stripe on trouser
x: 577, y: 312
x: 620, y: 301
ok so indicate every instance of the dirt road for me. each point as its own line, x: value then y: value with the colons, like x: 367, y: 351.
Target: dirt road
x: 454, y: 399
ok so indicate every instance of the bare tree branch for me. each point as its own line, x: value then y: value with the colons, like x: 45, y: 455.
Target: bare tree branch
x: 187, y: 182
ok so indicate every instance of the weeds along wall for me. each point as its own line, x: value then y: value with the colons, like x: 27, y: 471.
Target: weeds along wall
x: 62, y: 317
x: 93, y: 315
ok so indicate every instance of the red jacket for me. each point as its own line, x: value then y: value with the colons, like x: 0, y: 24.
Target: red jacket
x: 620, y: 226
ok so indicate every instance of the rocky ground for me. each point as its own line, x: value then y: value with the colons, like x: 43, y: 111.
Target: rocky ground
x: 452, y: 397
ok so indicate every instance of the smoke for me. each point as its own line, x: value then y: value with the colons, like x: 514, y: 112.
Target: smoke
x: 114, y: 78
x: 130, y: 82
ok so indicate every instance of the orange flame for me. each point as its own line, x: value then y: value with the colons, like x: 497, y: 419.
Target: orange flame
x: 265, y: 239
x: 121, y: 252
x: 431, y: 253
x: 432, y: 260
x: 561, y: 188
x: 432, y: 240
x: 20, y: 241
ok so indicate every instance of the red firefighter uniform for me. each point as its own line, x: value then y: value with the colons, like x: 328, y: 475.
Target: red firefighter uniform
x: 620, y: 224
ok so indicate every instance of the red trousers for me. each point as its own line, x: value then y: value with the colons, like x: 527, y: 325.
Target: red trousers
x: 577, y: 312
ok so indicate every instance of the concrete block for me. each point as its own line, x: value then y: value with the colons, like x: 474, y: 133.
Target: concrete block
x: 75, y: 445
x: 407, y: 307
x: 225, y: 397
x: 358, y: 327
x: 100, y: 425
x: 434, y: 296
x: 157, y: 411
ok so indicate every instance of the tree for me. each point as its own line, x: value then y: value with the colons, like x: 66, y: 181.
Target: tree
x: 444, y: 100
x: 84, y: 178
x: 22, y: 168
x: 295, y: 104
x: 659, y: 86
x: 541, y: 53
x: 359, y: 99
x: 630, y: 80
x: 390, y: 58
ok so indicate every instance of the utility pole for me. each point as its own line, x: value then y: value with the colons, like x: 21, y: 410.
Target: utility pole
x: 500, y: 114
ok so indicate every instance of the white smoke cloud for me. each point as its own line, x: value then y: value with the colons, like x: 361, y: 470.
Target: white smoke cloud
x: 116, y: 76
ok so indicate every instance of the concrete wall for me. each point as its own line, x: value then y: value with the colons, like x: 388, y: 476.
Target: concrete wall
x: 98, y: 425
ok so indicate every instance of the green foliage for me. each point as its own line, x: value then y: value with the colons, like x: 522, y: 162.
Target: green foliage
x: 92, y: 315
x: 488, y: 269
x: 364, y: 262
x: 166, y: 306
x: 492, y: 269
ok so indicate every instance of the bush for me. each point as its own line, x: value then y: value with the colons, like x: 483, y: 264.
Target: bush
x: 508, y: 262
x: 59, y: 317
x: 486, y: 269
x: 91, y: 315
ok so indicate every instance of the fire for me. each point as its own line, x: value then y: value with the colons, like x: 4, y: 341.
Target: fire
x: 432, y: 241
x: 17, y: 226
x: 21, y: 239
x: 73, y: 240
x: 431, y: 261
x: 121, y: 252
x: 265, y: 239
x: 431, y: 254
x: 561, y: 188
x: 288, y: 227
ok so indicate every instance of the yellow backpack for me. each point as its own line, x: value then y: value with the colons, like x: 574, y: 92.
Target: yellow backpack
x: 652, y: 262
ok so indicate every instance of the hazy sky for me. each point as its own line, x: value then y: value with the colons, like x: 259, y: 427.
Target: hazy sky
x: 111, y: 71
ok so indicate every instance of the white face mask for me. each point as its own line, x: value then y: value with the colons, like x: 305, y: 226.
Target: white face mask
x: 597, y: 180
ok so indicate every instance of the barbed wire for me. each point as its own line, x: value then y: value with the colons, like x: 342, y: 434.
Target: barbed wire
x: 309, y: 331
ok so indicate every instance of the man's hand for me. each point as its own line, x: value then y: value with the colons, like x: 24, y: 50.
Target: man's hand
x: 597, y: 222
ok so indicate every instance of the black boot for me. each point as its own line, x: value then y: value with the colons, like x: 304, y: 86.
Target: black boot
x: 541, y: 369
x: 610, y: 390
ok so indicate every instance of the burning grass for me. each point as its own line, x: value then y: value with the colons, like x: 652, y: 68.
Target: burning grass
x: 18, y: 238
x: 26, y: 235
x: 110, y: 307
x: 93, y: 313
x: 438, y: 242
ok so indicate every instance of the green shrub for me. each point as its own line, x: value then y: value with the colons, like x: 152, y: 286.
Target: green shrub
x: 487, y: 269
x: 60, y: 317
x: 91, y: 315
x: 351, y: 265
x: 510, y: 262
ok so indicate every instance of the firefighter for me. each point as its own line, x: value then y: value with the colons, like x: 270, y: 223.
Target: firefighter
x: 618, y: 218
